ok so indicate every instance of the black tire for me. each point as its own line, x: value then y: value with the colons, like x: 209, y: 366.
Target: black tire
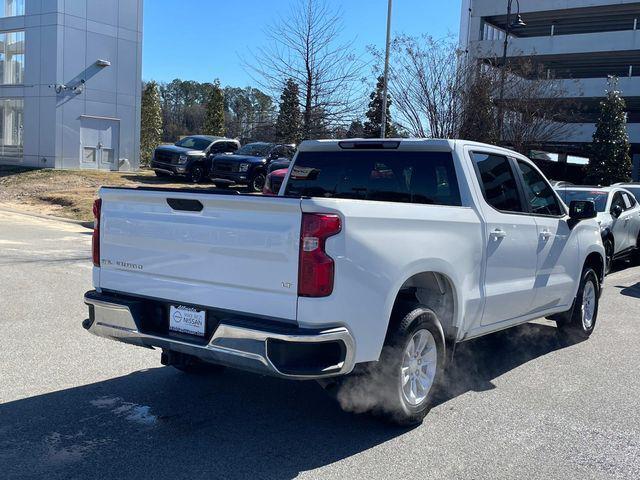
x: 256, y: 184
x: 578, y: 325
x: 609, y: 250
x: 197, y: 174
x: 636, y: 253
x: 380, y: 388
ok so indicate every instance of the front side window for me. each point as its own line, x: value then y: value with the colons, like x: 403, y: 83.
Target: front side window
x: 386, y: 176
x: 12, y: 8
x: 498, y: 182
x: 11, y: 121
x: 12, y: 58
x: 618, y: 201
x: 542, y: 200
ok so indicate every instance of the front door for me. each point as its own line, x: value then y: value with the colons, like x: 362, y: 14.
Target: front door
x: 511, y: 241
x: 99, y: 140
x: 558, y: 268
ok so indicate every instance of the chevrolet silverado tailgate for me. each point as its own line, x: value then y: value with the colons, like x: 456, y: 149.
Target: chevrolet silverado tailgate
x: 233, y: 252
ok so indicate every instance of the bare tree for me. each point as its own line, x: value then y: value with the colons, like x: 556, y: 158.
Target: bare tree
x: 537, y: 110
x: 305, y: 46
x: 440, y: 93
x: 427, y: 85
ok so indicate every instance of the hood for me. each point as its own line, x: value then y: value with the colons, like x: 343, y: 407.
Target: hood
x: 241, y: 158
x: 279, y: 173
x: 179, y: 150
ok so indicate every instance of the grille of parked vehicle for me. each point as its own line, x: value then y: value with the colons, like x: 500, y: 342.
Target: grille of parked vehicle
x: 226, y: 167
x: 166, y: 157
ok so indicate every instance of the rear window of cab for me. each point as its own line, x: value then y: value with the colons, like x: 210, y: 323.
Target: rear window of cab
x: 387, y: 176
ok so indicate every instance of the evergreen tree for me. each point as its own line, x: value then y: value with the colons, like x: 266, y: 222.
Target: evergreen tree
x: 151, y: 122
x: 610, y: 159
x: 356, y: 129
x: 214, y: 114
x: 289, y: 122
x: 373, y: 125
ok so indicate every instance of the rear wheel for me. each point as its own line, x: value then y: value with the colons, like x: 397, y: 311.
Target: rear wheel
x: 580, y: 323
x: 402, y: 384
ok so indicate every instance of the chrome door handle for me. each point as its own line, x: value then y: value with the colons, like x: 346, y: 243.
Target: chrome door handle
x: 497, y: 234
x: 545, y: 235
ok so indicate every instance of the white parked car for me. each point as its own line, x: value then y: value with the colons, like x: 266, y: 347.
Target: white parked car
x: 376, y: 258
x: 618, y: 216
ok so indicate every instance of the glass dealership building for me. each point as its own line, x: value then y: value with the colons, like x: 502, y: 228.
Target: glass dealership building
x: 70, y: 83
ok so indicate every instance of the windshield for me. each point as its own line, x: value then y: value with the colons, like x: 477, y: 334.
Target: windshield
x: 255, y: 150
x: 599, y: 197
x: 388, y: 176
x: 194, y: 142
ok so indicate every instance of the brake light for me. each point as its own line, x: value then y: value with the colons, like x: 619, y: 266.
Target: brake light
x: 316, y: 271
x: 95, y: 238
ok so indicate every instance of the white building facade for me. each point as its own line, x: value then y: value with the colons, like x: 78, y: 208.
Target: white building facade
x: 70, y: 83
x: 579, y: 42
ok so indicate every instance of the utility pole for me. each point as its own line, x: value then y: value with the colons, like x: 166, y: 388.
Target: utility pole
x: 383, y: 128
x: 503, y: 74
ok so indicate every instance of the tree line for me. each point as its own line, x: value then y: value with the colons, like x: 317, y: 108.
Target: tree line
x: 311, y: 84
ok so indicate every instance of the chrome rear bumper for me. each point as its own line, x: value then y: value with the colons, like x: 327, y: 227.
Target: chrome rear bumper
x: 238, y: 346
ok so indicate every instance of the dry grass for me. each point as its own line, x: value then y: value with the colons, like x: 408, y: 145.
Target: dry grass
x: 68, y: 193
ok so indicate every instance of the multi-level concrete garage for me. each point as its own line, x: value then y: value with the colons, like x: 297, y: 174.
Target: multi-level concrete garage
x: 579, y: 42
x: 70, y: 83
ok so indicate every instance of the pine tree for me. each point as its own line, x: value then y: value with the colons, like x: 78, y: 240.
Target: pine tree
x: 356, y: 129
x: 151, y: 122
x: 289, y: 122
x: 214, y: 115
x: 373, y: 125
x: 610, y: 159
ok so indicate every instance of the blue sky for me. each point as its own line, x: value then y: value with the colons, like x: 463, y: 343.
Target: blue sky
x: 204, y: 39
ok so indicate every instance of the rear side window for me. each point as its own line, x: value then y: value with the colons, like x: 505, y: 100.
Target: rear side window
x: 498, y: 182
x: 386, y: 176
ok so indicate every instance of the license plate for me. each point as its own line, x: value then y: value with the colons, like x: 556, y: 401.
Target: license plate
x: 187, y: 320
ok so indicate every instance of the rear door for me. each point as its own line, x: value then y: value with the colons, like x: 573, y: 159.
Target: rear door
x: 620, y: 225
x: 634, y: 219
x: 511, y: 235
x: 237, y: 253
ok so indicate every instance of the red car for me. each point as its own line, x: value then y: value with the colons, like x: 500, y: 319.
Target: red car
x: 274, y: 181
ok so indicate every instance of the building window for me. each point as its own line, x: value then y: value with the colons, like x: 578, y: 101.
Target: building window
x: 11, y: 8
x: 11, y: 58
x: 11, y: 121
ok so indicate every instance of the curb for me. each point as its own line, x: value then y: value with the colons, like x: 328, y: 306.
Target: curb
x: 81, y: 223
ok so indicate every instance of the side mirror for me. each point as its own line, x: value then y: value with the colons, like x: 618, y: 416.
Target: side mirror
x: 616, y: 211
x: 582, y: 210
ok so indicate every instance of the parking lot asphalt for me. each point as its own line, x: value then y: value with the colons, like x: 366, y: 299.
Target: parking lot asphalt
x: 72, y: 406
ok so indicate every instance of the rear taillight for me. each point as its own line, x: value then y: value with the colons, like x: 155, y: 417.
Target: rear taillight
x: 315, y: 277
x: 95, y: 238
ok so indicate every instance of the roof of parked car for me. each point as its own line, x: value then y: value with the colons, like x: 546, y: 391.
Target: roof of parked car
x: 211, y: 138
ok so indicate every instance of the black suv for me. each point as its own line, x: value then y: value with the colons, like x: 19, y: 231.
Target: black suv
x: 248, y: 166
x: 191, y: 157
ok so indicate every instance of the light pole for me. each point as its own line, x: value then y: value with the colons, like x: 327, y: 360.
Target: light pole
x: 383, y: 128
x: 503, y: 74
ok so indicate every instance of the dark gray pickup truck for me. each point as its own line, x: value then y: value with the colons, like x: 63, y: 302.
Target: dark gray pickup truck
x: 191, y: 157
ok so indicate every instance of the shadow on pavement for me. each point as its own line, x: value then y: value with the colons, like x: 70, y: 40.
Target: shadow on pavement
x: 631, y: 291
x: 160, y: 423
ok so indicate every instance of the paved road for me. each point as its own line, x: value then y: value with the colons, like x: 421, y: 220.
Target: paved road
x: 75, y: 406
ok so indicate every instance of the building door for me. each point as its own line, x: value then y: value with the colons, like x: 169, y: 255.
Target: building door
x: 99, y: 140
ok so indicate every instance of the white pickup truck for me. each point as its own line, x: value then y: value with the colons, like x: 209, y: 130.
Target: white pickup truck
x: 376, y: 258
